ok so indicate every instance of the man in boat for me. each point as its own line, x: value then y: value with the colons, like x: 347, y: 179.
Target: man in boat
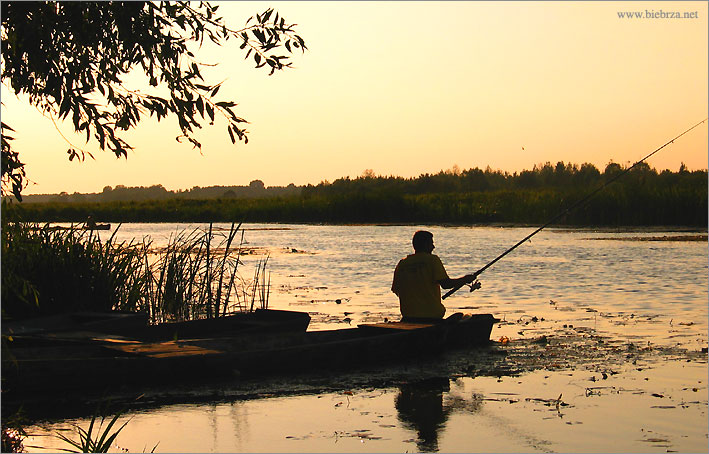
x: 418, y: 279
x: 90, y: 223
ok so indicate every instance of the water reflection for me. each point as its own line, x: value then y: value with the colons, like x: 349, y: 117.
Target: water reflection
x: 420, y: 408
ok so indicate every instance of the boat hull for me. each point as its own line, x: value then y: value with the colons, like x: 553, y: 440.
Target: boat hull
x: 135, y: 326
x: 114, y: 360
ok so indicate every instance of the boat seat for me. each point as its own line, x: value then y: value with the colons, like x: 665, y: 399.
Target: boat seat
x: 163, y: 349
x: 404, y: 326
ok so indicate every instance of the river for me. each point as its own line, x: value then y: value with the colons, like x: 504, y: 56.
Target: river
x: 626, y: 289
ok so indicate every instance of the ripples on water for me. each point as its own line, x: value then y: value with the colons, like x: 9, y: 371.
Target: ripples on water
x: 656, y: 290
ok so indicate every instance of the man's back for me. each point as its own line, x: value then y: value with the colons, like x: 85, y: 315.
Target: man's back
x: 416, y: 283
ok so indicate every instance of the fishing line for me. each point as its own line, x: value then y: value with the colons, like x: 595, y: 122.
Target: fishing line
x: 567, y: 210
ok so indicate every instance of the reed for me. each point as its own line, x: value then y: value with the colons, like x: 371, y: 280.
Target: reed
x: 192, y: 278
x: 47, y: 271
x: 98, y: 440
x: 259, y: 287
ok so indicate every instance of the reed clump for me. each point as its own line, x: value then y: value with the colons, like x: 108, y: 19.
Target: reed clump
x: 47, y: 271
x: 197, y: 275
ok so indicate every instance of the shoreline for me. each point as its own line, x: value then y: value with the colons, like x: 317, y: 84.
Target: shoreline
x: 560, y: 228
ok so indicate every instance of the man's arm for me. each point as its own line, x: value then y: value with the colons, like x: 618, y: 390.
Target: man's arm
x: 459, y: 282
x: 395, y: 281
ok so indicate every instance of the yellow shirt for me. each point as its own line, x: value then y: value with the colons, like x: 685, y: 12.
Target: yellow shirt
x: 416, y: 283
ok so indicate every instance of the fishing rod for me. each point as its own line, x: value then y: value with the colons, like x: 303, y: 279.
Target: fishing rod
x: 563, y: 213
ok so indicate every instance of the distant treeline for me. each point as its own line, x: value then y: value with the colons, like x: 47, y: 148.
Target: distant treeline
x: 642, y: 197
x: 255, y: 189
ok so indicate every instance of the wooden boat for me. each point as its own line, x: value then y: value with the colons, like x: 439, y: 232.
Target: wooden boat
x: 74, y: 321
x: 97, y: 227
x: 75, y: 227
x: 70, y: 361
x: 134, y: 326
x: 260, y: 321
x: 366, y: 344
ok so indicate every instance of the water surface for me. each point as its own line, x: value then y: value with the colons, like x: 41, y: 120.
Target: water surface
x: 653, y: 289
x: 622, y: 370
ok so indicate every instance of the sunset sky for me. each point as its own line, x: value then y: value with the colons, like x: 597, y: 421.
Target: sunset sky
x: 405, y: 88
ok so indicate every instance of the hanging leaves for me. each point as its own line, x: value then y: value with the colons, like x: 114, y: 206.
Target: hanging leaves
x: 70, y: 58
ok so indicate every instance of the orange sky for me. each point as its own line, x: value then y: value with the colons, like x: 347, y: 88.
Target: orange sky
x: 405, y: 88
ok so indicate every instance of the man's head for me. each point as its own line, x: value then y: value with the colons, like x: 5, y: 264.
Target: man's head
x: 423, y: 241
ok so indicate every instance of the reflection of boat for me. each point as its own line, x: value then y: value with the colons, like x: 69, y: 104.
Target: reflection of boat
x: 83, y: 360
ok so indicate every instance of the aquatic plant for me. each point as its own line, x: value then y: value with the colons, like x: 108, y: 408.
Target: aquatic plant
x: 259, y: 286
x: 191, y: 278
x: 94, y: 441
x: 50, y: 271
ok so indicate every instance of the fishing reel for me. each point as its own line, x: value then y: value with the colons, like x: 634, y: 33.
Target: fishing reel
x: 474, y: 285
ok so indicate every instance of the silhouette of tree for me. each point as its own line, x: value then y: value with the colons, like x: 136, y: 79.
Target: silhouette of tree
x: 257, y: 185
x: 71, y: 59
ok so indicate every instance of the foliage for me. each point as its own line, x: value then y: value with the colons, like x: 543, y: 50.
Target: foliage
x: 13, y: 170
x: 12, y: 440
x: 71, y: 59
x: 158, y: 192
x: 562, y: 176
x: 13, y: 433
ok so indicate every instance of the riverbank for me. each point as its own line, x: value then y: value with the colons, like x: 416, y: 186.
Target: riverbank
x: 559, y: 228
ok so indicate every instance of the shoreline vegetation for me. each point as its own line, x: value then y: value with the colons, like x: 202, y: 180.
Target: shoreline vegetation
x: 197, y: 275
x: 643, y: 197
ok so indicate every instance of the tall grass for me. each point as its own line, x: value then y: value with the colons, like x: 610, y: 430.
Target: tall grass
x: 192, y: 278
x: 259, y: 286
x: 47, y: 271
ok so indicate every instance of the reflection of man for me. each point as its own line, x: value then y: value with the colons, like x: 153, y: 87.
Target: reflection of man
x: 418, y: 279
x: 420, y: 408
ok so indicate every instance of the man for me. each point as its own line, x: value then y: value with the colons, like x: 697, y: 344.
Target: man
x: 418, y: 279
